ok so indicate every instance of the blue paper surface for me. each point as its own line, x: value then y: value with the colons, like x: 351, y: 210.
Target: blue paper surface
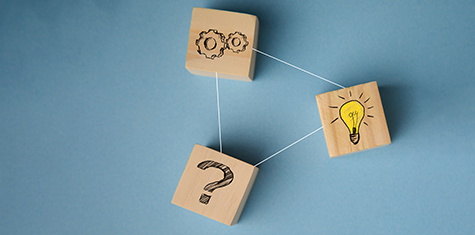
x: 98, y: 117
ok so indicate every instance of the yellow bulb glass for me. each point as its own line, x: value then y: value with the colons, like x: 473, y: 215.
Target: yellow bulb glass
x: 352, y: 113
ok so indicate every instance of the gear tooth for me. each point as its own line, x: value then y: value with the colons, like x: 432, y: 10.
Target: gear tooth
x: 221, y: 52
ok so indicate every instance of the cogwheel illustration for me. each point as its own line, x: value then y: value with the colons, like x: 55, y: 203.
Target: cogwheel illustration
x: 211, y: 44
x: 237, y: 42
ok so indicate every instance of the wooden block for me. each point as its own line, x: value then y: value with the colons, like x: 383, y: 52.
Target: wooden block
x: 221, y: 42
x: 353, y: 119
x: 215, y: 185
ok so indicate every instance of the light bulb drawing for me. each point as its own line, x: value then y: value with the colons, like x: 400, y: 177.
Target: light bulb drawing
x: 352, y: 113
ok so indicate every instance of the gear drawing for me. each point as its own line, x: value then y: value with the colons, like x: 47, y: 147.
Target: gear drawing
x: 237, y: 42
x: 211, y: 44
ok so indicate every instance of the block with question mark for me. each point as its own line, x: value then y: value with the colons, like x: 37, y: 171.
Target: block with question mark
x: 215, y: 185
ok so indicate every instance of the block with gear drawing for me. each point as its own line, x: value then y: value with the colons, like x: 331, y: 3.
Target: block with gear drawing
x: 221, y: 42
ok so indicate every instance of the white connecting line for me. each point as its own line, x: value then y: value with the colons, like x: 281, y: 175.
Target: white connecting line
x: 293, y: 66
x: 303, y: 70
x: 219, y: 116
x: 273, y: 155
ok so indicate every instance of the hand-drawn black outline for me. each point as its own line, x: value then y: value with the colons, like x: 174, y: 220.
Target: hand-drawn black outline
x: 241, y: 46
x: 220, y: 43
x: 227, y: 179
x: 217, y: 49
x: 354, y: 137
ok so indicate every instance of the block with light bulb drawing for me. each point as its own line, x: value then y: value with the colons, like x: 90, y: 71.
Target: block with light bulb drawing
x: 215, y: 185
x: 353, y: 119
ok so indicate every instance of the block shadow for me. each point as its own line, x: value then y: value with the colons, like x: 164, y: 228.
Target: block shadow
x: 396, y: 99
x: 271, y: 24
x: 244, y: 152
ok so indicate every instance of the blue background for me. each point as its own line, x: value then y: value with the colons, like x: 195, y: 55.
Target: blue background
x: 98, y: 116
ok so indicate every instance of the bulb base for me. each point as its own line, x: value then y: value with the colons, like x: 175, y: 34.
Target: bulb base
x: 355, y: 138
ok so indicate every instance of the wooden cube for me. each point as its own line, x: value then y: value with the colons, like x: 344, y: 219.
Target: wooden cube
x: 221, y: 42
x: 215, y: 185
x: 353, y: 119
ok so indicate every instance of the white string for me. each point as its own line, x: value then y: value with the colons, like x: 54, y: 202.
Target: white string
x: 271, y: 156
x: 219, y: 115
x: 303, y: 70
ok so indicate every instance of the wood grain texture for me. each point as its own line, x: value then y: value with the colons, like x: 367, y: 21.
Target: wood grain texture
x: 236, y: 32
x: 227, y: 202
x: 338, y: 111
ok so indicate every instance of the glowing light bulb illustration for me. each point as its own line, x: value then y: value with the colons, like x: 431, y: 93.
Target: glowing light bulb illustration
x: 352, y: 114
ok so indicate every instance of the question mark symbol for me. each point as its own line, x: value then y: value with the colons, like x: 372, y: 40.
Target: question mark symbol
x: 227, y: 179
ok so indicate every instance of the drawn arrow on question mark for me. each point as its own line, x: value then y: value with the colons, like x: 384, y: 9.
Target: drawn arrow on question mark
x: 227, y: 179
